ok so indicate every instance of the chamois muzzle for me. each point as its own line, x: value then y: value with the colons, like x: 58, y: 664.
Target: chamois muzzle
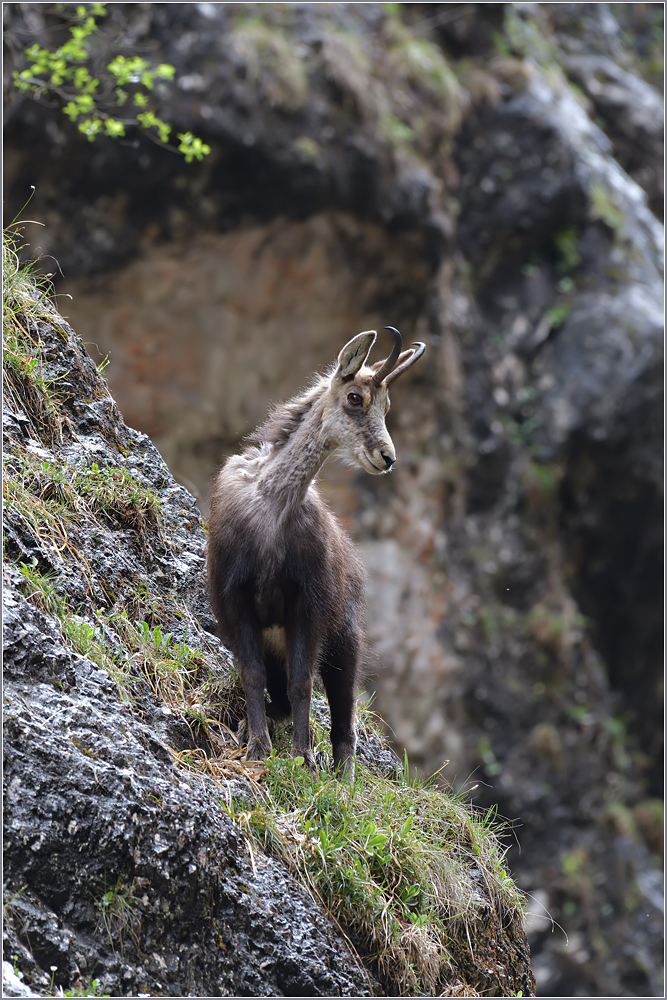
x: 385, y: 373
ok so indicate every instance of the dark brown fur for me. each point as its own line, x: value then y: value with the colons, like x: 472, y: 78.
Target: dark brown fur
x: 285, y: 581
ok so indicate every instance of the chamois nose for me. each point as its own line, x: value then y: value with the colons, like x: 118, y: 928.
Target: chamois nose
x: 388, y: 460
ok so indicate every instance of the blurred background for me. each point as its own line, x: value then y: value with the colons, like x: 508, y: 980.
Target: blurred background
x: 489, y: 179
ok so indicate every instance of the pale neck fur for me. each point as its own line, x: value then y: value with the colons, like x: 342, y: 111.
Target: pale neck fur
x: 289, y: 470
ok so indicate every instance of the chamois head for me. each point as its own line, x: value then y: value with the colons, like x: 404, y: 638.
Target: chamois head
x: 358, y: 402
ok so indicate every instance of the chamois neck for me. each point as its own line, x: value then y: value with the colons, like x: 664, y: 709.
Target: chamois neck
x: 291, y: 466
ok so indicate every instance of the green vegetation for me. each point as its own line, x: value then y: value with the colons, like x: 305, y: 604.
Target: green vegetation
x: 389, y: 857
x: 541, y: 481
x: 42, y: 590
x: 9, y: 910
x: 604, y: 208
x: 24, y: 305
x: 548, y: 628
x: 119, y: 913
x: 307, y: 148
x: 395, y: 132
x: 49, y: 495
x: 522, y: 36
x: 92, y: 990
x: 643, y: 33
x: 66, y: 74
x: 487, y: 755
x: 178, y: 675
x: 569, y: 257
x: 276, y: 72
x: 423, y: 65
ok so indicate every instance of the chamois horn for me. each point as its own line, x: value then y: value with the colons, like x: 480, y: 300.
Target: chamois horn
x: 382, y: 373
x: 419, y: 348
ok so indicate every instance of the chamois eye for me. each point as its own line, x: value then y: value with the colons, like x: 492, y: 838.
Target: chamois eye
x: 355, y: 398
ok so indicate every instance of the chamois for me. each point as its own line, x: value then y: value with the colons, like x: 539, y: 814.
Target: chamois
x: 285, y: 581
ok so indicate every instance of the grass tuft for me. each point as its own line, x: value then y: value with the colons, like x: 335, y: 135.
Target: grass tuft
x: 24, y: 304
x: 397, y: 862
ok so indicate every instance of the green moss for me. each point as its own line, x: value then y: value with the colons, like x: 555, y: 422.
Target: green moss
x: 568, y: 256
x: 395, y: 132
x: 559, y: 313
x: 605, y: 208
x: 277, y: 73
x: 525, y: 38
x: 424, y: 65
x: 307, y: 149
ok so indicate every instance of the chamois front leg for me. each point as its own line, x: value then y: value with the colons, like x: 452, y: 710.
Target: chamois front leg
x: 253, y: 678
x: 339, y: 675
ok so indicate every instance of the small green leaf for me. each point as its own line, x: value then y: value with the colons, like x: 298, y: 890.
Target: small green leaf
x: 114, y: 128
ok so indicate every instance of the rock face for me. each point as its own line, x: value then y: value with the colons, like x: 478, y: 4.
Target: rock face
x: 85, y: 782
x: 486, y: 178
x: 94, y: 801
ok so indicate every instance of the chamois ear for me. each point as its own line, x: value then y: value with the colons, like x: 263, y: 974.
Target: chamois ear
x: 355, y: 352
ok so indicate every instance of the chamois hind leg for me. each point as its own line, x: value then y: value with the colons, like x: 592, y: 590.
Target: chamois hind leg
x: 339, y: 675
x: 248, y: 649
x: 276, y: 684
x: 302, y: 659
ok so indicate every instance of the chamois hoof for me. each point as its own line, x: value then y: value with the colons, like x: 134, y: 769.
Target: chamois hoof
x: 308, y: 759
x: 258, y: 748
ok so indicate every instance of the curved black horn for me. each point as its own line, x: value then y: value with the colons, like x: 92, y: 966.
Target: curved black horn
x: 416, y: 354
x: 382, y: 373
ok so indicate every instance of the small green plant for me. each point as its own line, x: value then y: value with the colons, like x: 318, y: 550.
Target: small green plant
x: 88, y: 101
x: 171, y: 668
x: 547, y: 627
x: 489, y: 622
x: 90, y: 642
x: 559, y: 313
x: 523, y: 37
x: 119, y: 912
x: 491, y: 765
x: 42, y: 589
x: 9, y: 912
x: 94, y: 989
